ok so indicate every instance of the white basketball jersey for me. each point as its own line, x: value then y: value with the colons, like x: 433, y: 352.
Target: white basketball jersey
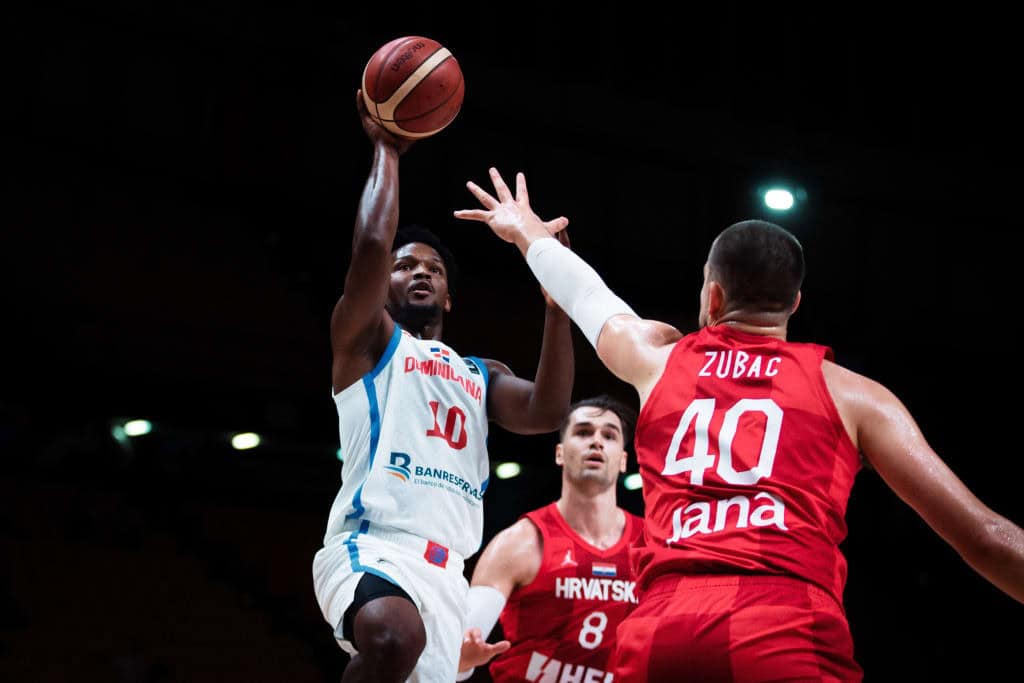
x: 414, y: 445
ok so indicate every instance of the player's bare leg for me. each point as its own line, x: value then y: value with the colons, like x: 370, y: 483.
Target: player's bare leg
x: 390, y: 636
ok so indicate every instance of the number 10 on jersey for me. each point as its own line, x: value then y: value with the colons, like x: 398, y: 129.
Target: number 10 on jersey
x: 454, y: 431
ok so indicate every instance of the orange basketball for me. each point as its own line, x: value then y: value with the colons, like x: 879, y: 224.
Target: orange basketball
x: 413, y: 86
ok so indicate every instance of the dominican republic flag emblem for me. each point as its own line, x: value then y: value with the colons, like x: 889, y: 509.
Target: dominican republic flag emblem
x: 443, y: 354
x: 436, y: 554
x: 604, y: 569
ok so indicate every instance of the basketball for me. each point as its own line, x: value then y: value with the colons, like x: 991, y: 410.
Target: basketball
x: 413, y: 87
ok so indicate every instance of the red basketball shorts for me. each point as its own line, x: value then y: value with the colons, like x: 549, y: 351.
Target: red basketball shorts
x: 734, y: 629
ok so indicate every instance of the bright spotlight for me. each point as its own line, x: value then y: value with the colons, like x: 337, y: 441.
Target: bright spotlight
x: 118, y: 433
x: 632, y: 482
x: 779, y: 199
x: 507, y: 470
x: 137, y: 427
x: 245, y: 441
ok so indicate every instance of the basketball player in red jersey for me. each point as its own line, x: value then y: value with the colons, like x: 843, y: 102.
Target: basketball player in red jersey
x: 748, y: 445
x: 563, y: 569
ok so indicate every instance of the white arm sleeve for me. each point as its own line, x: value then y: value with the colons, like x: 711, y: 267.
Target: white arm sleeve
x: 485, y: 605
x: 575, y: 286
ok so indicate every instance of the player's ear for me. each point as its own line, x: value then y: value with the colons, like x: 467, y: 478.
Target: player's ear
x: 559, y: 457
x: 716, y: 300
x: 796, y: 303
x: 625, y: 457
x: 447, y: 303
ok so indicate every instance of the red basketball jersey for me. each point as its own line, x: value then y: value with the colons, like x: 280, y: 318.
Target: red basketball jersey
x: 746, y: 465
x: 562, y: 625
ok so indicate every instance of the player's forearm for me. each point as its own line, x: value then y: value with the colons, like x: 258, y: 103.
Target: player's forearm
x: 376, y: 222
x: 999, y: 556
x: 575, y: 286
x: 377, y: 216
x: 552, y: 384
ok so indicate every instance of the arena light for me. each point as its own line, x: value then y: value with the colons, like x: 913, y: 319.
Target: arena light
x: 339, y: 456
x: 245, y: 440
x: 507, y: 470
x: 632, y: 482
x: 117, y: 431
x: 779, y: 199
x: 137, y: 427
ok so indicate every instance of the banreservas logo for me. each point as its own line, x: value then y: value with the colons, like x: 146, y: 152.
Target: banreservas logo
x: 400, y: 466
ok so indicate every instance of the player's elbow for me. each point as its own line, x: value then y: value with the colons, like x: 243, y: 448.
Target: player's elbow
x: 994, y: 536
x: 549, y: 422
x: 996, y: 549
x: 534, y: 422
x: 547, y: 416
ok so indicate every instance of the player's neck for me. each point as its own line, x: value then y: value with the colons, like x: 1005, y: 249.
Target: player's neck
x: 595, y: 517
x: 431, y: 330
x: 422, y: 322
x: 767, y: 324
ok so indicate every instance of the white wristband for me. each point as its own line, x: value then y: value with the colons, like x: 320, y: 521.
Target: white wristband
x: 485, y: 605
x: 575, y: 286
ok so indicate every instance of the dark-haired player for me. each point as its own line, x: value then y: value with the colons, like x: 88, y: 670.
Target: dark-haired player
x: 413, y: 418
x: 748, y: 445
x: 560, y: 577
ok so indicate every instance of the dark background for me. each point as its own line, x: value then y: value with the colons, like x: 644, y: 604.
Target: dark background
x: 179, y: 194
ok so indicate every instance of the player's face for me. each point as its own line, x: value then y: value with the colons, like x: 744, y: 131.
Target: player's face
x: 418, y: 278
x: 592, y: 450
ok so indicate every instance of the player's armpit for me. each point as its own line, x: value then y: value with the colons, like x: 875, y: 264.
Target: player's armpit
x: 357, y: 348
x: 513, y: 403
x: 497, y: 367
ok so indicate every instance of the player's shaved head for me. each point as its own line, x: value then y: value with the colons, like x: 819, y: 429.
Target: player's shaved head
x: 760, y: 265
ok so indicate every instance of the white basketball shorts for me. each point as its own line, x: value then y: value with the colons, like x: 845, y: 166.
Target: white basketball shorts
x: 429, y: 573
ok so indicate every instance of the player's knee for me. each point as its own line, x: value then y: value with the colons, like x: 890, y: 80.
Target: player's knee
x: 392, y: 639
x: 388, y: 644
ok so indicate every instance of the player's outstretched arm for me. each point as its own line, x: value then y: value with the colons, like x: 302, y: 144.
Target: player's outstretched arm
x: 633, y: 349
x: 893, y: 444
x: 511, y: 560
x: 360, y: 327
x: 539, y: 406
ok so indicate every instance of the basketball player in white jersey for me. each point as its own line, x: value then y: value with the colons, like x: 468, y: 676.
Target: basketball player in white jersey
x: 413, y: 424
